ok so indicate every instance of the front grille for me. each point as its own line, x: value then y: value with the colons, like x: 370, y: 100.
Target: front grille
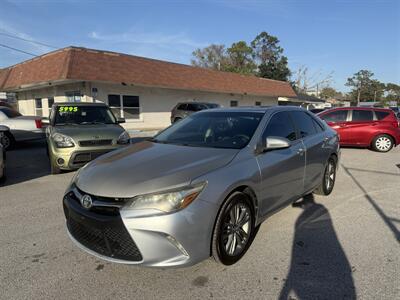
x: 112, y: 241
x: 92, y: 143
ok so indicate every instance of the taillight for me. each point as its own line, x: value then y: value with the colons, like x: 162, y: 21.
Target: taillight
x: 38, y: 123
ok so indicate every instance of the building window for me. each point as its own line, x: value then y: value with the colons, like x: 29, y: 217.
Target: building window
x: 125, y: 106
x: 38, y: 107
x: 50, y: 102
x: 74, y: 96
x: 234, y: 103
x: 258, y: 103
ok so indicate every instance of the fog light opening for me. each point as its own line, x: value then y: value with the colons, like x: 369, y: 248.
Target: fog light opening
x: 60, y: 161
x: 178, y: 246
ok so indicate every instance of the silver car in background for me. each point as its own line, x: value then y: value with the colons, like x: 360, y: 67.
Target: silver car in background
x: 201, y: 187
x: 22, y: 128
x: 184, y: 109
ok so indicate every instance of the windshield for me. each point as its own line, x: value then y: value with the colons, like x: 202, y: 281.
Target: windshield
x: 212, y: 129
x: 83, y: 115
x: 10, y: 113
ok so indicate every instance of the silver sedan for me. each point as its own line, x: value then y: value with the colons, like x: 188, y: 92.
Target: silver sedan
x: 22, y: 128
x: 201, y: 187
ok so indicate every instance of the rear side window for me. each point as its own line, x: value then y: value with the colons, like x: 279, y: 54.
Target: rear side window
x: 335, y: 116
x: 362, y: 115
x: 380, y: 115
x: 280, y: 125
x: 9, y: 112
x: 304, y: 123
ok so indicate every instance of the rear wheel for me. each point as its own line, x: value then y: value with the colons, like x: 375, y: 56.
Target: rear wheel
x: 382, y: 143
x: 8, y: 141
x: 234, y: 229
x: 328, y: 180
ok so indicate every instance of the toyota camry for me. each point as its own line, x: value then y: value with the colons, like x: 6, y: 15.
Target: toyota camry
x: 201, y: 187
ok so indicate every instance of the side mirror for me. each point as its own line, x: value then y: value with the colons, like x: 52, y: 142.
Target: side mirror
x: 120, y: 120
x: 275, y: 142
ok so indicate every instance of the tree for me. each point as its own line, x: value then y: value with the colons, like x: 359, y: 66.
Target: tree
x: 329, y: 93
x: 269, y: 56
x: 311, y: 83
x: 392, y: 93
x: 241, y: 58
x: 365, y: 88
x: 263, y: 57
x: 212, y: 57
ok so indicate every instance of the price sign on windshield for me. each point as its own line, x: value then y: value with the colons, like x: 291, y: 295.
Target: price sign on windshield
x: 68, y: 109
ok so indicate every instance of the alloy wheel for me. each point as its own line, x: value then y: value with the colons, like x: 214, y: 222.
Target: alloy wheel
x: 6, y: 142
x: 236, y: 229
x: 330, y: 174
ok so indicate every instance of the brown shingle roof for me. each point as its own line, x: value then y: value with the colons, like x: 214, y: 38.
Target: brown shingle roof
x: 74, y: 63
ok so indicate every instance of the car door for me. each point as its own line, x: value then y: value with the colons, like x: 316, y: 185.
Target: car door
x: 313, y: 138
x: 282, y: 170
x: 361, y: 126
x: 339, y: 120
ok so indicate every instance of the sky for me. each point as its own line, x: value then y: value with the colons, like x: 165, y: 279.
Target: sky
x: 338, y: 37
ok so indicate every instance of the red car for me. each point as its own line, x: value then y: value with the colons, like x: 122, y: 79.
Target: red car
x: 377, y: 128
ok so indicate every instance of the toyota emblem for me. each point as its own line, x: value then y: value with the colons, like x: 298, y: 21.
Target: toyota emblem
x: 86, y: 201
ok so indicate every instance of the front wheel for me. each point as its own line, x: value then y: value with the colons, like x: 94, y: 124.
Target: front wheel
x: 382, y: 143
x: 329, y: 178
x: 234, y: 229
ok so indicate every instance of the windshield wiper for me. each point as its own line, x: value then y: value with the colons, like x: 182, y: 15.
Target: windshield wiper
x: 65, y: 124
x: 91, y: 123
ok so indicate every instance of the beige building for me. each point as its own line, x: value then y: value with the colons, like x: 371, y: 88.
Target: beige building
x: 141, y: 90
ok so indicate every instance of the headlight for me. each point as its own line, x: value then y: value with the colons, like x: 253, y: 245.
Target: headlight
x: 168, y: 201
x: 123, y: 138
x: 62, y: 140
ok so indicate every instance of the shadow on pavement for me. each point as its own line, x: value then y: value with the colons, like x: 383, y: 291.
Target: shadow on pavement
x: 388, y: 221
x: 319, y: 267
x: 26, y: 162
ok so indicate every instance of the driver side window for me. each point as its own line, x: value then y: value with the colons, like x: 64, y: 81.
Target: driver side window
x: 280, y: 125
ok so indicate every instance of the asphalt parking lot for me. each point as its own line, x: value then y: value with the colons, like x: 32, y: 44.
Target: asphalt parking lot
x: 338, y: 247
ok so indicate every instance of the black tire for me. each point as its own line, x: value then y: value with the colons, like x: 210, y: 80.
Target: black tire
x: 382, y: 143
x: 328, y: 179
x: 54, y: 169
x: 8, y: 141
x: 227, y: 230
x: 177, y: 120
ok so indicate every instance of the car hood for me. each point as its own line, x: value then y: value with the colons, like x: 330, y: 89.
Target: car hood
x: 90, y: 132
x: 148, y: 167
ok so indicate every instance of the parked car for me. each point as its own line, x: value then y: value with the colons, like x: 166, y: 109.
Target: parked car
x: 80, y: 132
x: 3, y: 131
x: 22, y: 128
x: 5, y: 104
x: 317, y: 110
x: 377, y: 128
x: 184, y: 109
x: 201, y: 187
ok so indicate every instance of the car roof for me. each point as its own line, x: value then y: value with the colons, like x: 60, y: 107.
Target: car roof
x: 358, y: 108
x: 260, y: 109
x: 80, y: 104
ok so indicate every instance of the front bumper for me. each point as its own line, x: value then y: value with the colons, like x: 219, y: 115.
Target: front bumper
x: 75, y: 157
x: 165, y: 240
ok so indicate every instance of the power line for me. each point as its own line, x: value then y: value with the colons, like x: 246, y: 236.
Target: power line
x: 18, y: 50
x: 27, y: 40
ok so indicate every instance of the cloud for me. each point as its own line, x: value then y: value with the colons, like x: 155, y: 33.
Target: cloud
x: 135, y: 36
x: 25, y: 45
x: 176, y: 47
